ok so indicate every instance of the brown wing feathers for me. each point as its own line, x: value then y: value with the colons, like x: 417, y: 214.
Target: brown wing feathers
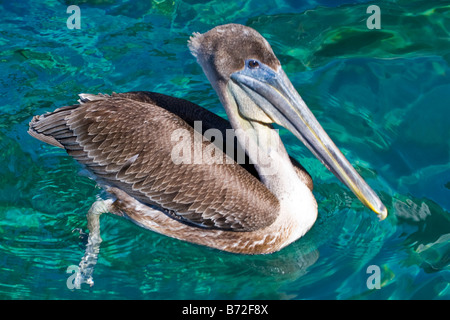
x: 125, y: 140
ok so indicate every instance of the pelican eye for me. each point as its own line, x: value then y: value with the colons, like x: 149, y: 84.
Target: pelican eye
x: 253, y: 64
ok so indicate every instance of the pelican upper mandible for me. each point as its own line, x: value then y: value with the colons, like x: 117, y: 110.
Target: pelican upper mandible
x: 127, y: 141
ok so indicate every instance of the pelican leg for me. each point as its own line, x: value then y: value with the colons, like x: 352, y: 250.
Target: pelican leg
x: 90, y: 257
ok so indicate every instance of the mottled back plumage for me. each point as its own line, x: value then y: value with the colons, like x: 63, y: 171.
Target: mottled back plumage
x: 125, y: 141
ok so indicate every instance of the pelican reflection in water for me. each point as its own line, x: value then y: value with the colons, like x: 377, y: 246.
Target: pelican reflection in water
x: 126, y: 141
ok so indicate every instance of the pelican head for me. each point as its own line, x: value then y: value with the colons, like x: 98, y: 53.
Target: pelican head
x: 255, y: 91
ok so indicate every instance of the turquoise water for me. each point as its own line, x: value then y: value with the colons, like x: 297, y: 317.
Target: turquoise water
x: 382, y: 95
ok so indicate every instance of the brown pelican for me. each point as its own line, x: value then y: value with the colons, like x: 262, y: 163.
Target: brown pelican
x: 126, y: 140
